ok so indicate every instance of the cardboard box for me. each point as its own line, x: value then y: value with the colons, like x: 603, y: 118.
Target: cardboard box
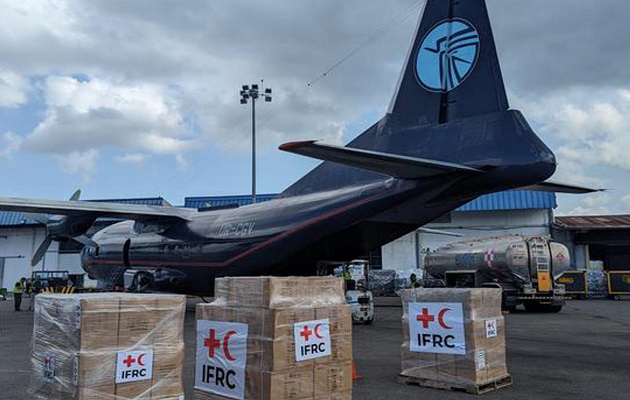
x: 477, y: 303
x: 484, y: 330
x: 331, y: 379
x: 271, y: 343
x: 273, y: 308
x: 341, y: 350
x: 280, y: 292
x: 77, y: 339
x: 296, y: 384
x: 340, y: 317
x: 168, y: 363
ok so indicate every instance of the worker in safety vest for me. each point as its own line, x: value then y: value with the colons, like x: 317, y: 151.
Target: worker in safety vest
x: 37, y: 288
x: 18, y: 289
x: 349, y: 282
x: 414, y: 281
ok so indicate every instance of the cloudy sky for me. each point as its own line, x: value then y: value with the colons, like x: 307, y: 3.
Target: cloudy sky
x: 140, y: 98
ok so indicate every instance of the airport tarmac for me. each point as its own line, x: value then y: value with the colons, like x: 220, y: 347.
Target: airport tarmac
x: 581, y: 353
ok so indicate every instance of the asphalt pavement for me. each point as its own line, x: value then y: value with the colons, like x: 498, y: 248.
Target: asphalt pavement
x: 583, y: 352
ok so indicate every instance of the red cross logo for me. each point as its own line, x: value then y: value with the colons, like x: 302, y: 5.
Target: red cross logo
x: 306, y: 333
x: 560, y: 257
x: 491, y: 325
x: 425, y: 318
x: 212, y: 343
x: 129, y: 360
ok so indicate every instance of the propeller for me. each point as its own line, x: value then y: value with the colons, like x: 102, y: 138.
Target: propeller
x: 62, y: 228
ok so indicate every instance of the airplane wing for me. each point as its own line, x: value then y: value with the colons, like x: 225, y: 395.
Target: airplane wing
x: 98, y: 209
x: 389, y: 164
x: 557, y: 187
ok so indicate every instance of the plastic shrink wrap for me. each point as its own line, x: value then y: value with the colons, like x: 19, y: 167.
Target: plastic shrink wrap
x: 113, y: 346
x: 382, y: 282
x: 455, y: 336
x: 271, y: 338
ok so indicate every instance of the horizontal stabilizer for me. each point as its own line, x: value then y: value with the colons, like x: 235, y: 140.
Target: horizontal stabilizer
x: 549, y: 186
x: 389, y: 164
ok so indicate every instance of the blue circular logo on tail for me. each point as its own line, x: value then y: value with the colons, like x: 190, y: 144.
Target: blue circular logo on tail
x: 447, y: 55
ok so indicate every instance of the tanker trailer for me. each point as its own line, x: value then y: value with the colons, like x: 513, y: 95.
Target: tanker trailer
x: 524, y: 267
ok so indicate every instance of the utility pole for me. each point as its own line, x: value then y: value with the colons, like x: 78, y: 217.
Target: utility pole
x: 253, y: 94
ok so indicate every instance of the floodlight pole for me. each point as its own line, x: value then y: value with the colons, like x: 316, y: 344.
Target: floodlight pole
x: 254, y: 93
x: 253, y: 150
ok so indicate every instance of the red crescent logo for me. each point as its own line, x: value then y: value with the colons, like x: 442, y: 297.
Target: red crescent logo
x: 226, y: 346
x: 140, y: 362
x: 317, y: 331
x: 441, y: 318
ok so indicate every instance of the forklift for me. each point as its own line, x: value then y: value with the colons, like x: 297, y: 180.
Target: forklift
x: 358, y: 296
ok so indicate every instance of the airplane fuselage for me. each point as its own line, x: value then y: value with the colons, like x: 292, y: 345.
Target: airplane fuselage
x: 287, y: 236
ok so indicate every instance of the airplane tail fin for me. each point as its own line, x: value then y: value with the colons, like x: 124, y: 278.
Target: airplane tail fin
x: 452, y: 69
x: 449, y: 106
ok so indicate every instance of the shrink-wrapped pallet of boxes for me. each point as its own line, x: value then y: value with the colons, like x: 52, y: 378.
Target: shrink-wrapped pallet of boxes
x: 454, y: 339
x: 114, y: 346
x: 269, y: 338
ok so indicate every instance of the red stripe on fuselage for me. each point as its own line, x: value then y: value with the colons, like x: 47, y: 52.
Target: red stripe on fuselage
x: 266, y: 243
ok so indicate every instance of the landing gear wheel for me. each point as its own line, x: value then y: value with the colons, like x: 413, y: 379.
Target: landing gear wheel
x: 141, y: 282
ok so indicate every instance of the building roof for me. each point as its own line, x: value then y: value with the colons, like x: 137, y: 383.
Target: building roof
x: 593, y: 222
x: 221, y: 201
x: 509, y: 200
x: 512, y: 200
x: 9, y: 218
x: 149, y: 201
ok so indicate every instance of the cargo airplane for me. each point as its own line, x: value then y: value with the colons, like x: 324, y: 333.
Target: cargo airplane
x: 448, y: 137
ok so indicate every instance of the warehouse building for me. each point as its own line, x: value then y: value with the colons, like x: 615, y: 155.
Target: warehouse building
x: 596, y: 242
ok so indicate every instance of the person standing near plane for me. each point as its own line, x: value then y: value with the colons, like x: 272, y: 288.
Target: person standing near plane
x: 18, y: 289
x: 414, y: 281
x: 37, y: 288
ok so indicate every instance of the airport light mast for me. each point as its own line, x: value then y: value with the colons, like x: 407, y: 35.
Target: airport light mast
x: 253, y: 94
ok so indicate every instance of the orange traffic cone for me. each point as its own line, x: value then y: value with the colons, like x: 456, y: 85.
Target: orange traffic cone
x: 355, y: 375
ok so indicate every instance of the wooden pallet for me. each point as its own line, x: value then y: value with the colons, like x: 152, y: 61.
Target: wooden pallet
x: 469, y: 388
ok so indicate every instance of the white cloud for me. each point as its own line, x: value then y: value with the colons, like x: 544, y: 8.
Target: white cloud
x: 132, y: 158
x: 13, y: 89
x: 80, y: 162
x: 34, y: 19
x: 596, y: 204
x: 626, y: 200
x: 12, y: 143
x: 98, y: 114
x: 590, y: 126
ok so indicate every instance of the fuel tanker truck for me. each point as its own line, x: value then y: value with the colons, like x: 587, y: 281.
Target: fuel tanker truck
x: 524, y: 267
